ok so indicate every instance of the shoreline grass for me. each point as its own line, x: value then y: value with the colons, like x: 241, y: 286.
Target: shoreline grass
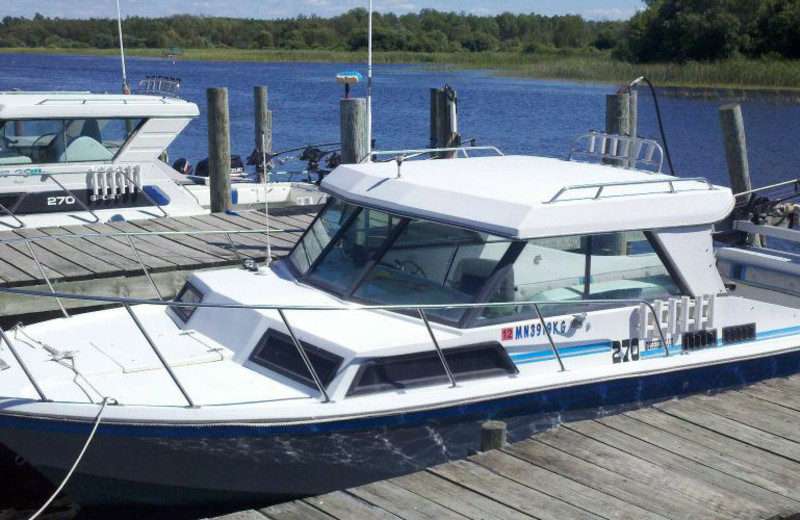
x: 587, y: 65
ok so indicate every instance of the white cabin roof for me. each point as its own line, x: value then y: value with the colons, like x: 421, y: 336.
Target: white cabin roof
x: 511, y: 195
x: 43, y: 105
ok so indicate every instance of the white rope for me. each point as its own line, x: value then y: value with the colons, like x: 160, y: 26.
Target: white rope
x: 41, y: 510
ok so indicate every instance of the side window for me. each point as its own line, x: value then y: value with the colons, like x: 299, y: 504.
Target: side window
x: 63, y: 141
x: 188, y: 294
x: 321, y: 232
x: 610, y: 266
x: 425, y: 368
x: 277, y: 352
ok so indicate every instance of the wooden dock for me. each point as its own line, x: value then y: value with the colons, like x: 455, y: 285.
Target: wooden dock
x: 108, y: 266
x: 730, y: 455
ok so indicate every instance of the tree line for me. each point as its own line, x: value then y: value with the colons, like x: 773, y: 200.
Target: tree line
x: 664, y: 31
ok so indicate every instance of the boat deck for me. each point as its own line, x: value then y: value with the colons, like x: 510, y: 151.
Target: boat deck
x: 730, y: 455
x: 109, y: 266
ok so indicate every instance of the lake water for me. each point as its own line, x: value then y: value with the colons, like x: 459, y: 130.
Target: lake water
x: 519, y: 116
x: 538, y: 117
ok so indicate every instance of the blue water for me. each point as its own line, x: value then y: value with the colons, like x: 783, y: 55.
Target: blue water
x: 518, y: 115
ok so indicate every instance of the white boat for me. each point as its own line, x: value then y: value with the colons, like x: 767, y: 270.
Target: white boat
x: 76, y: 157
x: 427, y: 297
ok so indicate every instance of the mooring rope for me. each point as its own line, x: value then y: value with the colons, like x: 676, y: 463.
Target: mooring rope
x: 41, y: 510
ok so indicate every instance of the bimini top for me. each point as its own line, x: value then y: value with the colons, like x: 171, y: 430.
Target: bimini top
x: 43, y: 105
x: 526, y: 197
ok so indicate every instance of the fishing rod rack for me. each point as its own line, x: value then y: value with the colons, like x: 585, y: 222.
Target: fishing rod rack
x: 618, y: 150
x: 646, y: 309
x: 133, y: 185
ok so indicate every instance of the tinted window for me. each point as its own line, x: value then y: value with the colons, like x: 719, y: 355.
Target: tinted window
x: 277, y: 352
x: 609, y: 266
x: 189, y: 294
x: 320, y: 233
x: 64, y: 140
x: 425, y: 368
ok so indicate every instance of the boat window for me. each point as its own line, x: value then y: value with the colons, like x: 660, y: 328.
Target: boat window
x: 425, y: 368
x: 320, y: 233
x: 276, y: 351
x: 188, y: 294
x: 359, y: 244
x: 608, y: 266
x: 38, y: 141
x: 431, y: 263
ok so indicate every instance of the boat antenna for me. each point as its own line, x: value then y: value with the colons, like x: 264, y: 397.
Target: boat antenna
x: 369, y: 79
x: 266, y: 193
x: 633, y: 84
x: 125, y: 88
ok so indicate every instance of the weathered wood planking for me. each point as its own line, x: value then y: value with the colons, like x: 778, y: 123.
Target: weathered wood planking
x: 730, y: 455
x: 108, y: 266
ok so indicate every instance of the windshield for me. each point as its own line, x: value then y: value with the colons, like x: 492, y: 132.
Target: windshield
x: 372, y: 256
x: 375, y: 257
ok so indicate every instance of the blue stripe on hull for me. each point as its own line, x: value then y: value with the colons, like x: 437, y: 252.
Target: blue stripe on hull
x: 588, y: 397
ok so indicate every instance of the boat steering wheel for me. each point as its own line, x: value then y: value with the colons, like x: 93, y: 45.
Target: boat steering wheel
x: 415, y: 268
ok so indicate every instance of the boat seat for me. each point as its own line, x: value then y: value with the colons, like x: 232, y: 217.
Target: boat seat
x: 472, y: 273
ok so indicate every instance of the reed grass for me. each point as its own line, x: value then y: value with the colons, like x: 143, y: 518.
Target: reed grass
x: 571, y: 64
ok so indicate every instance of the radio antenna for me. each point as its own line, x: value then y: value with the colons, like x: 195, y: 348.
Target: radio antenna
x: 125, y: 88
x: 369, y: 79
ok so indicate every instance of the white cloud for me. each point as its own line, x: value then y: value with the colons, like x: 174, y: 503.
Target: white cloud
x: 607, y: 14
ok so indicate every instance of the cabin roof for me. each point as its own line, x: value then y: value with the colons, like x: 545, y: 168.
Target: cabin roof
x: 511, y: 195
x: 43, y: 105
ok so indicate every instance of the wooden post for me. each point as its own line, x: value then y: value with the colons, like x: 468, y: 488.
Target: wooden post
x: 353, y: 129
x: 443, y: 127
x: 633, y: 113
x: 735, y: 147
x: 493, y: 435
x: 219, y: 149
x: 618, y: 114
x: 730, y: 117
x: 263, y: 122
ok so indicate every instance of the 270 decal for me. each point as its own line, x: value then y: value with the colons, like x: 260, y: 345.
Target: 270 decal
x: 65, y: 200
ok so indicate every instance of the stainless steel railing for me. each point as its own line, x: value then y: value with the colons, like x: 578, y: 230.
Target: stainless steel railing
x: 282, y: 309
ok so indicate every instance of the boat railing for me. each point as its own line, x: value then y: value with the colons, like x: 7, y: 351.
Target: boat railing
x: 412, y: 153
x: 72, y: 197
x: 164, y: 86
x: 601, y: 189
x: 619, y: 150
x: 421, y: 309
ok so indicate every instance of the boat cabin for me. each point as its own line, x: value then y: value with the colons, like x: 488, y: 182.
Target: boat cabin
x: 76, y: 155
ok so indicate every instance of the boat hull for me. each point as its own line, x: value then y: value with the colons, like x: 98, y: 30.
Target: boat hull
x: 190, y: 464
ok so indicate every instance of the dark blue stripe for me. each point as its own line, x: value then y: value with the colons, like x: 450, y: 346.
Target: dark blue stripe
x: 629, y: 390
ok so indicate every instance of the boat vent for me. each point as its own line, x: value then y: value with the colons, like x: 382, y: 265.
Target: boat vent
x: 3, y: 365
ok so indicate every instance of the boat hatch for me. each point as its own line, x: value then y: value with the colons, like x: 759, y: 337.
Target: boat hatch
x: 425, y: 368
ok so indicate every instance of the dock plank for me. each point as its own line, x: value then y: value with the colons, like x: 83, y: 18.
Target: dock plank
x: 497, y: 487
x: 345, y: 506
x: 457, y: 498
x: 690, y: 412
x: 234, y: 223
x: 555, y: 485
x: 755, y: 412
x: 222, y: 256
x: 121, y: 248
x: 87, y: 263
x: 721, y: 484
x: 247, y: 245
x: 403, y: 503
x: 18, y: 256
x: 702, y: 445
x: 294, y: 511
x: 119, y: 264
x: 166, y: 248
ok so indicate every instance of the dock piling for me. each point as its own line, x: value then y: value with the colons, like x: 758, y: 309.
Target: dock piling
x: 493, y: 435
x: 353, y: 129
x: 219, y: 149
x: 444, y: 120
x: 730, y: 116
x: 263, y: 121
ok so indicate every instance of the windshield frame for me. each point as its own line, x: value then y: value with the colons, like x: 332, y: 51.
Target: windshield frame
x: 471, y: 317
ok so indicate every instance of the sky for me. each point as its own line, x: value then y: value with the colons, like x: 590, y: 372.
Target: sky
x: 589, y: 9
